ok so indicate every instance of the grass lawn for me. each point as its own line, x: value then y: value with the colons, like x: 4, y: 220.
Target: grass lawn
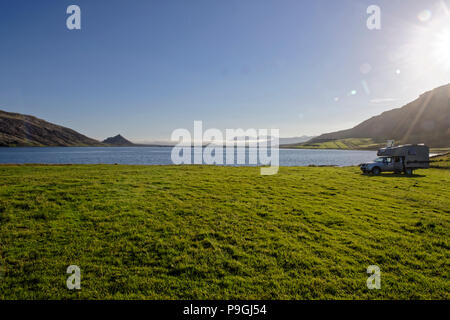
x: 206, y: 232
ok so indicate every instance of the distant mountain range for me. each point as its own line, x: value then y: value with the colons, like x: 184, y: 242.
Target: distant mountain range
x: 425, y: 120
x: 24, y: 130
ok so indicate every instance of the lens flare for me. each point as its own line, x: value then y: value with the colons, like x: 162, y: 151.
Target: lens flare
x: 425, y: 54
x: 424, y: 16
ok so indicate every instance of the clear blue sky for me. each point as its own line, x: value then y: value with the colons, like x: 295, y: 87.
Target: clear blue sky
x: 145, y: 68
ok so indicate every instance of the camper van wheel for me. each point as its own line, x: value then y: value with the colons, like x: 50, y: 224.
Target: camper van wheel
x: 408, y: 171
x: 376, y: 171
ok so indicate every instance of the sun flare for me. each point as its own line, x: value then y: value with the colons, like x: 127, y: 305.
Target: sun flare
x: 425, y: 54
x: 440, y: 48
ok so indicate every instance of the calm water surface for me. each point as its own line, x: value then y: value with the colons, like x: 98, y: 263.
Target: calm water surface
x: 162, y: 156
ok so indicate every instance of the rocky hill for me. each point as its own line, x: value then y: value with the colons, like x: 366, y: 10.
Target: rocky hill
x: 118, y: 141
x: 25, y: 130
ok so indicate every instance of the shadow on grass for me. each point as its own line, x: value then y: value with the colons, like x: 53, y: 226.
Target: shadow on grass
x: 393, y: 175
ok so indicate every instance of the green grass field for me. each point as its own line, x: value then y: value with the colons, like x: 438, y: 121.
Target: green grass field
x: 206, y: 232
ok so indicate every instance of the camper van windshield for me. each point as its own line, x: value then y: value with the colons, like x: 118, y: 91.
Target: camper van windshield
x: 384, y: 159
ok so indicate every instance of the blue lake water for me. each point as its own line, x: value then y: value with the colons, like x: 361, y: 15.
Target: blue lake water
x: 162, y: 156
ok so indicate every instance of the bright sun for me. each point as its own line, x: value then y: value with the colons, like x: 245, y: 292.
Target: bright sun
x: 427, y: 53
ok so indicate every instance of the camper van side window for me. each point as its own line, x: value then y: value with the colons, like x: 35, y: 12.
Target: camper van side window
x: 412, y: 152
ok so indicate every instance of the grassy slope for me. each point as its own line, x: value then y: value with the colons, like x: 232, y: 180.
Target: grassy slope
x: 441, y: 162
x: 350, y: 144
x: 220, y: 232
x: 344, y: 144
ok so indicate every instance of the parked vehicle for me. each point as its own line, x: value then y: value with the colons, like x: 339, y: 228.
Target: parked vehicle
x: 406, y: 158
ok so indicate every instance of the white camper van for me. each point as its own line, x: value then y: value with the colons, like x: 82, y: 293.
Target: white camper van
x: 399, y: 159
